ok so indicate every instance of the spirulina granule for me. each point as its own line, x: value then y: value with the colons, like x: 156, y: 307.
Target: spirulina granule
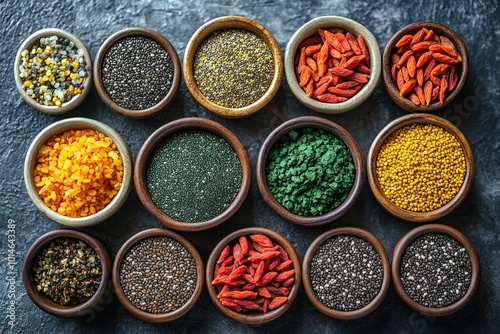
x: 193, y: 175
x: 310, y: 171
x: 233, y: 67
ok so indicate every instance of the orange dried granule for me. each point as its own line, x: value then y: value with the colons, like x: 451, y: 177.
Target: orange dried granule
x: 78, y: 172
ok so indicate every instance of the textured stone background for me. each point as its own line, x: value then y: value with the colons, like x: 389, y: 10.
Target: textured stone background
x: 475, y: 112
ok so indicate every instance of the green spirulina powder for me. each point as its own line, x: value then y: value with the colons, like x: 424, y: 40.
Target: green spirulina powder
x: 310, y: 172
x: 193, y: 175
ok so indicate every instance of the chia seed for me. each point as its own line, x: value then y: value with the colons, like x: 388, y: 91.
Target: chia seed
x: 435, y: 270
x: 346, y: 273
x: 137, y: 72
x: 158, y: 275
x: 193, y: 175
x: 233, y: 67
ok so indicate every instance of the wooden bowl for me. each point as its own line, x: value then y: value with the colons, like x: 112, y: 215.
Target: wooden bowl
x: 399, y: 251
x: 310, y: 29
x: 301, y: 123
x: 391, y: 86
x: 65, y: 106
x: 231, y: 22
x: 43, y: 301
x: 386, y: 280
x: 181, y: 125
x: 101, y: 90
x: 254, y: 318
x: 419, y: 217
x: 159, y: 317
x: 58, y: 128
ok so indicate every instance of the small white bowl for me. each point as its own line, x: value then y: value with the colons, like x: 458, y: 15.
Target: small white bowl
x: 310, y: 29
x: 58, y: 128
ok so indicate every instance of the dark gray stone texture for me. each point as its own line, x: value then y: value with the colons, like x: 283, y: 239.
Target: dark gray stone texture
x: 475, y: 112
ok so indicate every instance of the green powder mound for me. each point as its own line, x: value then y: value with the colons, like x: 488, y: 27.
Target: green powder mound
x: 310, y: 172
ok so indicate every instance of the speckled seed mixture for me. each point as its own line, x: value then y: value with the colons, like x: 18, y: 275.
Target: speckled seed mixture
x: 137, y: 72
x: 421, y: 167
x: 233, y: 68
x: 158, y: 275
x: 53, y: 71
x: 193, y: 175
x: 346, y: 273
x: 435, y: 270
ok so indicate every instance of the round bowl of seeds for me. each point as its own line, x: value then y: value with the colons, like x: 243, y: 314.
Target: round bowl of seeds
x: 53, y: 71
x: 137, y: 72
x: 78, y: 171
x: 310, y: 171
x: 332, y: 64
x: 420, y: 167
x: 67, y: 273
x: 425, y: 66
x: 158, y: 275
x: 253, y: 275
x: 346, y: 273
x: 233, y: 66
x: 435, y: 269
x: 192, y: 174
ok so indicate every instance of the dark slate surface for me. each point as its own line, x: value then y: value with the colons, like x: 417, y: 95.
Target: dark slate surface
x: 475, y: 112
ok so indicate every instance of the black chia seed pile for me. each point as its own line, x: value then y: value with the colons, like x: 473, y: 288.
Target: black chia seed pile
x: 193, y: 175
x: 346, y: 273
x: 158, y: 275
x: 435, y: 270
x: 233, y: 67
x: 137, y: 72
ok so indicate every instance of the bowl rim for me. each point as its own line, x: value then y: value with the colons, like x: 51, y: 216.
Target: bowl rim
x: 44, y: 302
x: 58, y: 128
x: 232, y: 22
x: 403, y: 121
x: 190, y: 123
x: 160, y: 317
x: 155, y: 36
x: 310, y: 29
x: 390, y: 86
x: 339, y: 132
x: 386, y: 280
x: 77, y: 99
x: 253, y: 318
x: 399, y: 251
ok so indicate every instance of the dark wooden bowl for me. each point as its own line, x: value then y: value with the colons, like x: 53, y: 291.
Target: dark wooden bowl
x: 419, y: 217
x: 232, y: 22
x: 98, y: 72
x: 391, y: 86
x: 386, y: 280
x: 169, y: 129
x: 45, y: 302
x: 160, y: 317
x: 335, y: 129
x: 255, y: 318
x: 399, y: 251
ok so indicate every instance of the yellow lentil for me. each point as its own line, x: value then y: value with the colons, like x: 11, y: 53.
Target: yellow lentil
x: 78, y: 172
x: 421, y: 167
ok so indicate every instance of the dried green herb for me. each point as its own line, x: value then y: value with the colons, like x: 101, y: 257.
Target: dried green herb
x: 68, y: 271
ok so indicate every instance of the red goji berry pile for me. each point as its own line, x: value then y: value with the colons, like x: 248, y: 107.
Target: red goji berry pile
x: 332, y: 66
x: 425, y: 67
x: 253, y: 274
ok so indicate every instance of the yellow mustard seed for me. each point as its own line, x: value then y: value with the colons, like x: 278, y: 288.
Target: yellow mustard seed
x: 421, y: 167
x: 78, y: 172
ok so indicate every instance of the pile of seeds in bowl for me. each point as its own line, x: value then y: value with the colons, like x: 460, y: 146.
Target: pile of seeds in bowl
x: 346, y: 273
x: 233, y: 68
x: 435, y: 270
x: 53, y: 71
x: 137, y: 72
x: 158, y: 275
x: 68, y: 271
